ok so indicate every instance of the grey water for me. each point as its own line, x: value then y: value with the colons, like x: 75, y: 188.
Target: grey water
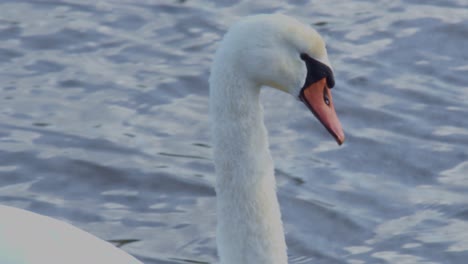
x: 103, y: 124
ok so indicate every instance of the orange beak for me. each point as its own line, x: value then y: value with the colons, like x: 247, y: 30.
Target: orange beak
x: 319, y: 100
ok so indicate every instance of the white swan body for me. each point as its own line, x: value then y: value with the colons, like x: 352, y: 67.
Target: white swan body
x: 29, y: 238
x: 271, y: 50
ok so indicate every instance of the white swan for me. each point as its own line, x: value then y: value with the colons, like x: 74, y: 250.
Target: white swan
x: 29, y: 238
x: 275, y: 51
x: 271, y: 50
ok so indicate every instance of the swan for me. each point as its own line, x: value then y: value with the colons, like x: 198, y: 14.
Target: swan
x: 261, y: 50
x: 30, y: 238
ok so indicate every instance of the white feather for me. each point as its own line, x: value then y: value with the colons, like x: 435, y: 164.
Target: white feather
x: 29, y: 238
x: 259, y: 50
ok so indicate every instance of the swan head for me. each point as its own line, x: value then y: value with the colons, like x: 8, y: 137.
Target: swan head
x: 278, y: 51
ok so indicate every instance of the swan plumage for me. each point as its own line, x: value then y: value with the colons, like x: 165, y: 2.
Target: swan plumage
x: 30, y: 238
x: 262, y: 50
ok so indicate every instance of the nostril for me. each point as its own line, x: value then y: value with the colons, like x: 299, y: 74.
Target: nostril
x: 325, y: 96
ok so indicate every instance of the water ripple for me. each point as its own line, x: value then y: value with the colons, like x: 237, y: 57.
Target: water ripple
x: 104, y: 124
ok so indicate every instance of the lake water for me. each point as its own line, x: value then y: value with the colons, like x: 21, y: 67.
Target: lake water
x: 103, y: 123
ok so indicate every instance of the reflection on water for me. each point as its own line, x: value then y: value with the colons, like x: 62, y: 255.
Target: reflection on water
x: 103, y: 123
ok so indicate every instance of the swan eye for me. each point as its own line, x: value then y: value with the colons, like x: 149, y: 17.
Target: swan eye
x: 325, y: 96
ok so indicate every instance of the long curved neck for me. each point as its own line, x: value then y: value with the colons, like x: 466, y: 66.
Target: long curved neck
x: 249, y: 219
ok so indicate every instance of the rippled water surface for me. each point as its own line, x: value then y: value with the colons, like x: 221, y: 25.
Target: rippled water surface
x: 103, y: 123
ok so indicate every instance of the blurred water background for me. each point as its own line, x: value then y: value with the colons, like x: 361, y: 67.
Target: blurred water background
x: 103, y: 124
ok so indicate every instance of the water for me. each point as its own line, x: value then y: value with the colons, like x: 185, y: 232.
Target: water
x: 103, y: 123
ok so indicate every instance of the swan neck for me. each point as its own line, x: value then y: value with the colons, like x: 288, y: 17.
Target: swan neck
x: 249, y: 219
